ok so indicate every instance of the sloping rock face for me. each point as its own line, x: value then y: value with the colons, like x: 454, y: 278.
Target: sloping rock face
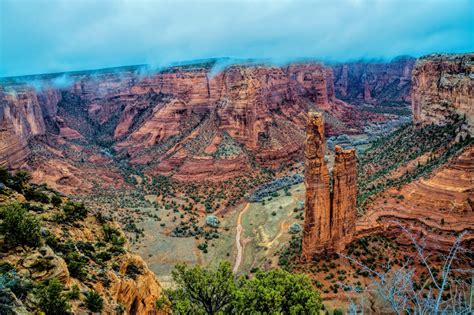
x: 443, y: 85
x: 21, y: 118
x: 182, y: 122
x: 120, y: 278
x: 139, y: 295
x: 375, y: 83
x: 329, y: 216
x: 435, y: 208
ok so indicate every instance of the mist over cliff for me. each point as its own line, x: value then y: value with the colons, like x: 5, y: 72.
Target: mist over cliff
x: 56, y: 36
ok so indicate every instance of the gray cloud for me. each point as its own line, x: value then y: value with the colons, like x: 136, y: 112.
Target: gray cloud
x: 38, y: 36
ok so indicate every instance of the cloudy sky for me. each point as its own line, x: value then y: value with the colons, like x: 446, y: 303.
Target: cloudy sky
x: 40, y: 36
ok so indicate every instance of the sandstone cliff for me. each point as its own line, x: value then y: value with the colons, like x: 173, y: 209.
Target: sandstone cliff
x: 421, y: 176
x: 182, y: 122
x: 443, y: 85
x: 329, y: 215
x: 376, y: 83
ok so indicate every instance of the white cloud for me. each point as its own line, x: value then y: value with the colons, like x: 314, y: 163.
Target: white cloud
x: 59, y: 35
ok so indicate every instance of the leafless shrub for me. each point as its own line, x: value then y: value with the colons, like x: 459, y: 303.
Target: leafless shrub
x: 446, y: 291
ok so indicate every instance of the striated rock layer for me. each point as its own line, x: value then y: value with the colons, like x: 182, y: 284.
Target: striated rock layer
x: 432, y: 207
x: 329, y: 216
x: 182, y: 122
x: 375, y: 83
x: 443, y: 85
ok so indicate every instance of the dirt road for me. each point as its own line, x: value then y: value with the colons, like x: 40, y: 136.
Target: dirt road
x: 238, y: 243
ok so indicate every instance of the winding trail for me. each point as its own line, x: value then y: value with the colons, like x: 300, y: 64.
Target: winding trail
x: 240, y: 245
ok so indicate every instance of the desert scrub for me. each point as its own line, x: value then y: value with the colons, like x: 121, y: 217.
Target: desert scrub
x: 19, y: 227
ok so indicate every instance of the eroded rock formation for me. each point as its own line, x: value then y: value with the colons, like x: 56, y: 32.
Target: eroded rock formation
x: 344, y: 195
x: 317, y: 220
x: 443, y: 85
x: 435, y: 208
x: 119, y: 277
x: 182, y: 122
x: 375, y: 83
x: 329, y: 215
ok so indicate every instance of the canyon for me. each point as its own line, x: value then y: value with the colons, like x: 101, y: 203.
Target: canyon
x: 181, y: 123
x: 159, y: 151
x: 442, y: 96
x: 383, y: 84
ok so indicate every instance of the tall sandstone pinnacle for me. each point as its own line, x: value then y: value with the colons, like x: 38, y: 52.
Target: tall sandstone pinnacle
x: 343, y: 196
x: 317, y: 223
x: 329, y: 215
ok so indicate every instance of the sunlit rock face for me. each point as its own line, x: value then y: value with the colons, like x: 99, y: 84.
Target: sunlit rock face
x: 21, y: 118
x: 329, y: 215
x: 183, y: 122
x: 317, y: 221
x: 443, y: 85
x: 344, y: 195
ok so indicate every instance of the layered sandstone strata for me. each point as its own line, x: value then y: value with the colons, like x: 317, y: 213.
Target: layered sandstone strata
x: 329, y: 215
x: 21, y: 118
x: 183, y: 122
x: 435, y: 208
x: 443, y: 85
x: 375, y: 83
x: 183, y: 116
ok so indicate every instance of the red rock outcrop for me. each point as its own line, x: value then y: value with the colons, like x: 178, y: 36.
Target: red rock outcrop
x: 329, y: 216
x: 375, y: 83
x: 174, y: 120
x: 21, y: 118
x: 443, y: 85
x: 344, y: 195
x: 138, y: 295
x: 432, y: 207
x: 317, y: 220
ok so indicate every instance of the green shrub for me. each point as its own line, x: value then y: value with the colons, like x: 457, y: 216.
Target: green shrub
x: 35, y: 195
x: 6, y: 267
x: 203, y: 291
x: 76, y: 265
x: 74, y: 293
x: 94, y: 302
x: 56, y: 200
x: 42, y: 264
x: 74, y: 211
x: 19, y: 227
x: 103, y: 256
x: 133, y: 270
x: 51, y: 300
x: 19, y: 181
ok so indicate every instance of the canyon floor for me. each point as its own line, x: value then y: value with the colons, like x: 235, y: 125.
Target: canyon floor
x: 264, y: 234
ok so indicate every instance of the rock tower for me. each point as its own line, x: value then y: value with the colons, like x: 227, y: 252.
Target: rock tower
x: 329, y: 215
